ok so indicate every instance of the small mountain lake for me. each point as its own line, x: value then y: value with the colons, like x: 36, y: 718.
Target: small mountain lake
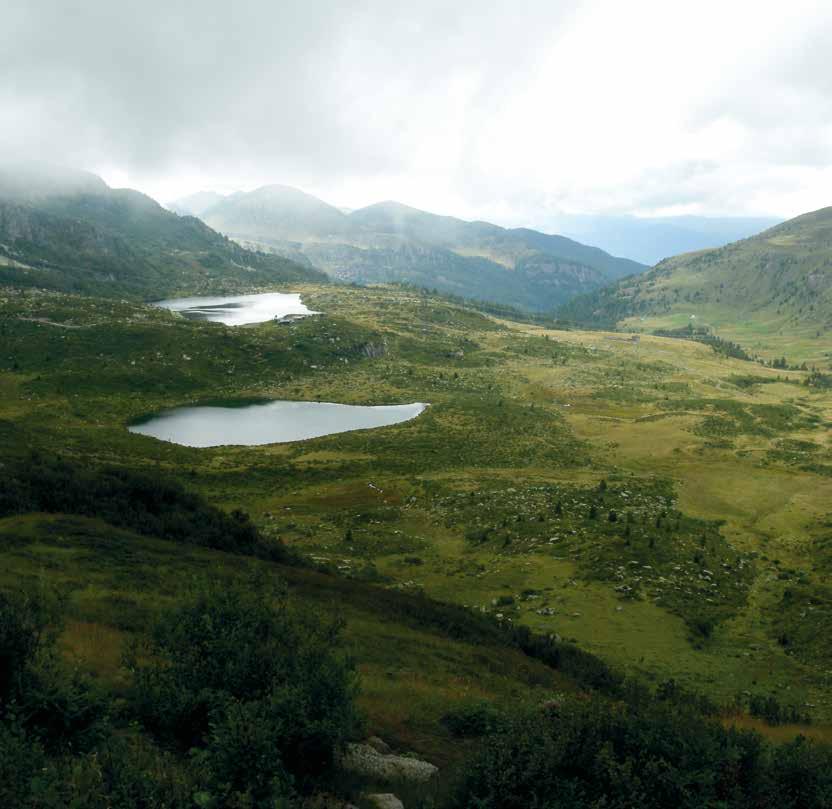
x: 240, y: 310
x: 267, y: 422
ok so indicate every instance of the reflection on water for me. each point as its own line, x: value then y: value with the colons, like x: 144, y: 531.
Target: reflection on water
x: 268, y: 422
x: 240, y: 310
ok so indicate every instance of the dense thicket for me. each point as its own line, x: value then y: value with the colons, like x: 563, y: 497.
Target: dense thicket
x: 580, y: 754
x: 259, y: 688
x: 143, y: 503
x: 256, y: 695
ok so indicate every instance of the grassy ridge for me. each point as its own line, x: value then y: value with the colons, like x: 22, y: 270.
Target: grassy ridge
x: 771, y: 293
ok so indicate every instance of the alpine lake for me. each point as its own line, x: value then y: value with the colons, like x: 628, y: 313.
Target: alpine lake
x: 262, y: 422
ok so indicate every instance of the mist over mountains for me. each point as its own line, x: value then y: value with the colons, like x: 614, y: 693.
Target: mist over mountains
x: 68, y: 230
x: 391, y: 242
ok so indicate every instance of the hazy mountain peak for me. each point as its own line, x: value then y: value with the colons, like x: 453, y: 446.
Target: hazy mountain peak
x: 275, y: 213
x: 195, y: 204
x: 392, y: 205
x: 70, y: 231
x: 31, y: 181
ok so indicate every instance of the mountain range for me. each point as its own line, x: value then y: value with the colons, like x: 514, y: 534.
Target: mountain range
x: 391, y: 242
x: 68, y: 230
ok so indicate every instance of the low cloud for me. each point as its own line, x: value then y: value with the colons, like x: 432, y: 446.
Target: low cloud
x: 514, y: 111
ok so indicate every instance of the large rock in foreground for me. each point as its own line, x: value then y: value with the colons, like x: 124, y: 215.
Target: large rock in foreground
x: 368, y: 762
x: 385, y: 800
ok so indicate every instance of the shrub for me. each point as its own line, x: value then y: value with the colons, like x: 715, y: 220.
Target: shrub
x: 243, y: 757
x: 472, y: 719
x: 127, y: 772
x: 22, y: 763
x: 142, y: 503
x: 239, y: 668
x: 23, y: 636
x: 58, y: 709
x: 593, y: 754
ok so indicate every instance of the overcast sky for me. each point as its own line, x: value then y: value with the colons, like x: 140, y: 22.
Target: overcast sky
x: 510, y: 111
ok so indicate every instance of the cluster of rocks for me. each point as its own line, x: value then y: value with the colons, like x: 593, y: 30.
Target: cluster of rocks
x: 374, y: 761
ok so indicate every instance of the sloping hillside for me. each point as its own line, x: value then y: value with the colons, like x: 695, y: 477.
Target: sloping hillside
x: 772, y: 293
x: 70, y: 231
x: 504, y: 246
x: 390, y: 242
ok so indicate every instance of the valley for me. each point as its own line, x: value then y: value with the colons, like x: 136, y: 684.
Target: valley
x: 415, y: 406
x: 660, y: 504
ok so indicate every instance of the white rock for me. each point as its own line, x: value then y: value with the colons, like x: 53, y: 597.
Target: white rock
x: 384, y: 800
x: 364, y: 760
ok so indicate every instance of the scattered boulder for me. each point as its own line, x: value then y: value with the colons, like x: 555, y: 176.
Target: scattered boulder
x: 326, y: 801
x: 366, y: 761
x: 384, y: 800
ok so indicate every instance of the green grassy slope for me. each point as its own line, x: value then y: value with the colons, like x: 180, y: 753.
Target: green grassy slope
x: 717, y: 471
x: 74, y: 233
x: 413, y: 668
x: 772, y: 293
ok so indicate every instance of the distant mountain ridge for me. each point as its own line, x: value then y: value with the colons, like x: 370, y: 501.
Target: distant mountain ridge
x: 771, y: 292
x: 392, y: 242
x: 195, y: 204
x: 652, y: 239
x: 69, y: 230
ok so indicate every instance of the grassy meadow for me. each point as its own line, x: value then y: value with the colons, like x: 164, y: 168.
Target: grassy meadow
x: 664, y: 507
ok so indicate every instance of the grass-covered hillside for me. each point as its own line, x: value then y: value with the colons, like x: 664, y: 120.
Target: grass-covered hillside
x: 651, y: 500
x: 69, y: 231
x: 771, y: 293
x: 572, y: 509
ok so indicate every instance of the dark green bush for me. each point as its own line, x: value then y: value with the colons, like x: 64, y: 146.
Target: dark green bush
x: 244, y: 757
x: 590, y: 754
x: 57, y: 708
x: 472, y: 719
x: 22, y: 763
x: 142, y: 503
x: 239, y: 671
x: 24, y: 636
